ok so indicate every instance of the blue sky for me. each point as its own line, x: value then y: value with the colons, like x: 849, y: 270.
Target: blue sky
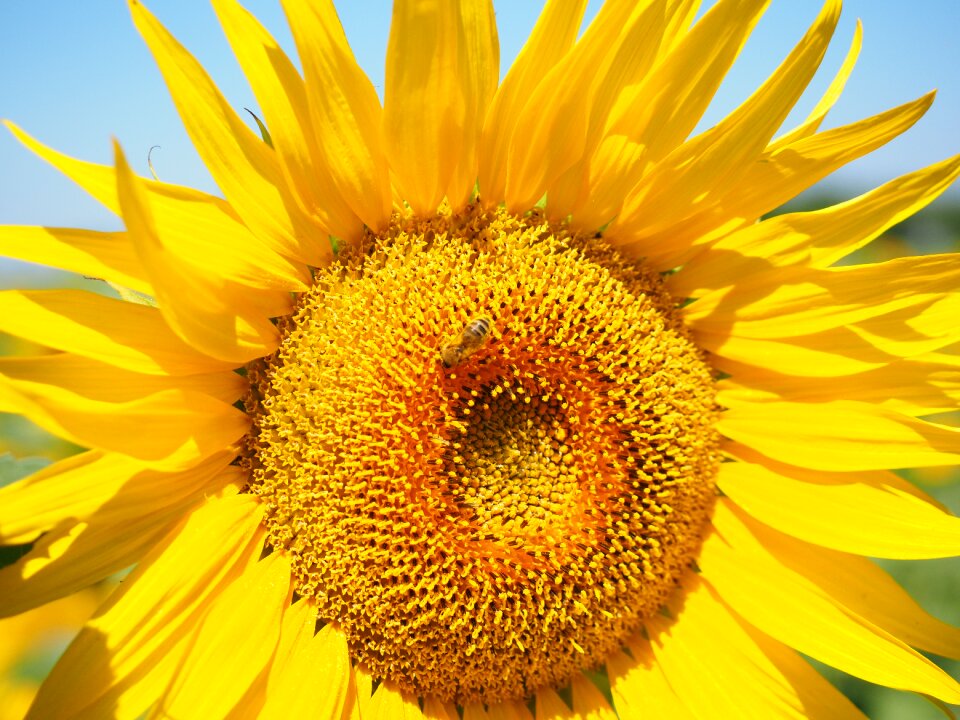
x: 74, y: 74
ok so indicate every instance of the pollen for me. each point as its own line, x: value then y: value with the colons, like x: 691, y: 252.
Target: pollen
x: 490, y: 526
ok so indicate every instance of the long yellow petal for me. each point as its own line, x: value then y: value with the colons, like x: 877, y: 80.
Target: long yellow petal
x: 832, y: 94
x: 282, y: 98
x: 234, y: 642
x: 203, y: 228
x: 424, y: 110
x: 629, y: 57
x: 389, y: 703
x: 816, y: 239
x: 639, y: 687
x: 667, y: 106
x: 479, y: 60
x: 106, y: 485
x: 344, y: 110
x: 711, y: 661
x: 77, y: 553
x: 865, y: 589
x: 842, y: 511
x: 841, y: 435
x: 123, y: 659
x: 175, y: 429
x: 316, y: 680
x: 683, y: 180
x: 98, y: 381
x: 551, y: 128
x: 105, y: 255
x: 839, y: 352
x: 200, y: 306
x: 243, y: 166
x: 776, y: 176
x: 588, y: 702
x: 130, y: 336
x: 804, y: 301
x: 924, y: 385
x: 790, y: 608
x: 551, y: 38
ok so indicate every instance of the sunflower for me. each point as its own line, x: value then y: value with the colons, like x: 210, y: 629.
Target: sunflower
x: 496, y: 400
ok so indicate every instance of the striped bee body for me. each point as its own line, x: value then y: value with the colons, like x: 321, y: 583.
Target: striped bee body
x: 470, y: 339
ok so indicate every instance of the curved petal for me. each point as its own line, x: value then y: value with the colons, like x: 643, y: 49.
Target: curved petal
x: 639, y: 687
x: 389, y: 703
x: 76, y: 553
x: 175, y: 428
x: 283, y: 99
x: 551, y: 38
x: 123, y: 659
x: 316, y: 680
x: 209, y: 313
x: 243, y: 166
x: 105, y: 255
x: 841, y: 435
x: 844, y: 511
x: 814, y: 239
x: 203, y: 228
x: 234, y: 642
x: 130, y: 336
x: 98, y: 381
x: 344, y: 110
x: 790, y: 608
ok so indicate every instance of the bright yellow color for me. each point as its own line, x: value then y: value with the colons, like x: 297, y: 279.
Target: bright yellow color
x: 825, y: 374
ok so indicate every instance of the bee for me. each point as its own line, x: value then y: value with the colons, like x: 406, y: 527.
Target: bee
x: 470, y: 339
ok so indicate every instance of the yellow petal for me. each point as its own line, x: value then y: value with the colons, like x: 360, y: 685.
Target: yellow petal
x: 841, y: 435
x: 777, y: 176
x: 130, y: 336
x: 209, y: 313
x: 683, y: 181
x: 316, y: 680
x: 853, y: 512
x: 803, y: 301
x: 479, y: 60
x: 112, y: 487
x: 202, y: 228
x: 639, y: 687
x: 924, y: 385
x: 551, y: 38
x: 98, y: 381
x: 76, y: 553
x: 792, y: 609
x: 816, y: 239
x: 662, y: 112
x: 364, y: 681
x: 834, y: 90
x: 243, y: 166
x: 108, y: 256
x: 588, y: 702
x: 123, y: 659
x: 617, y: 84
x: 389, y: 703
x: 711, y: 661
x: 550, y: 706
x: 170, y: 429
x: 424, y: 109
x: 839, y: 352
x: 436, y: 709
x: 559, y: 108
x: 865, y: 589
x: 234, y: 643
x: 344, y: 110
x: 282, y: 98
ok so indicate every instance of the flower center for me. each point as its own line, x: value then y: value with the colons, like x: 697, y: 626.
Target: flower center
x: 488, y: 447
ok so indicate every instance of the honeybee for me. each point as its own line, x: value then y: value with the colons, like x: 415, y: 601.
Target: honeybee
x: 470, y: 339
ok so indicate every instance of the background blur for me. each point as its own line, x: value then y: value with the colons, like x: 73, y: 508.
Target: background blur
x: 73, y: 74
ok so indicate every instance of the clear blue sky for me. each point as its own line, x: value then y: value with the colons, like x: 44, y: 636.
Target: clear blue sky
x: 75, y: 73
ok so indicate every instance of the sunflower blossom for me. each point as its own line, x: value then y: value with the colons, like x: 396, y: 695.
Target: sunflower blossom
x: 494, y: 400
